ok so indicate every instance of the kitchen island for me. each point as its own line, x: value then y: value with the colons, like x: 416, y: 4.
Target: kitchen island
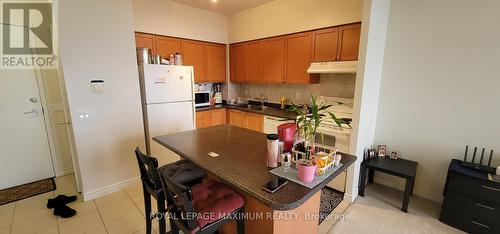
x: 241, y: 164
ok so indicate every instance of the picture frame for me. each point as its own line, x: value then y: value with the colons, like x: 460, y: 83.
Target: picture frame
x: 372, y: 153
x: 382, y: 150
x: 394, y: 155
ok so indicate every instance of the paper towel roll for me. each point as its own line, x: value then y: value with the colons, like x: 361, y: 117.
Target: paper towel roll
x: 498, y: 170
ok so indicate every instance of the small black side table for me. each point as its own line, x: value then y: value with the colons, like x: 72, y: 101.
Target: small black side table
x: 398, y: 167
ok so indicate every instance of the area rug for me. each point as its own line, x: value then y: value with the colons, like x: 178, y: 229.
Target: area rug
x: 330, y: 199
x: 17, y: 193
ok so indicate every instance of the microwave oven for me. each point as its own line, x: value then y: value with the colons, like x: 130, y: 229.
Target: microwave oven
x: 201, y: 98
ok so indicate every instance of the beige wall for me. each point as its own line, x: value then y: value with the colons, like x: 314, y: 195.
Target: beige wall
x: 101, y: 46
x: 332, y: 85
x: 440, y: 86
x: 288, y: 16
x: 166, y: 17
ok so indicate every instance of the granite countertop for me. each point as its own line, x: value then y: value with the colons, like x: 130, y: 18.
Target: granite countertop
x: 270, y: 111
x: 241, y: 163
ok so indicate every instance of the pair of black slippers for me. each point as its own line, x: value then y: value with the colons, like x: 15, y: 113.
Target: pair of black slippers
x: 60, y: 207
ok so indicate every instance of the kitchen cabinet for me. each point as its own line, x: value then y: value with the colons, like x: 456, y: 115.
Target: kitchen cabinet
x: 208, y: 59
x: 273, y: 60
x: 298, y: 59
x: 203, y: 119
x: 143, y: 40
x: 217, y: 117
x: 325, y: 44
x: 246, y: 120
x: 348, y: 46
x: 254, y: 122
x: 215, y: 62
x: 165, y: 46
x: 236, y: 118
x: 193, y: 54
x: 238, y: 62
x: 210, y: 118
x: 253, y: 61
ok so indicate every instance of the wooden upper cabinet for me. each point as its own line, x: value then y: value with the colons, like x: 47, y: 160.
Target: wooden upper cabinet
x: 238, y: 62
x: 348, y: 46
x: 165, y: 46
x: 253, y: 61
x: 298, y: 59
x: 254, y: 122
x: 193, y: 54
x: 273, y: 60
x: 325, y: 45
x: 215, y: 62
x: 143, y: 40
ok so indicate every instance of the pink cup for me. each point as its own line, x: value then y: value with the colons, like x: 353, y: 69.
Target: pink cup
x: 306, y: 173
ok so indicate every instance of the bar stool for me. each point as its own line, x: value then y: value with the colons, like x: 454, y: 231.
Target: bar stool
x: 213, y: 203
x: 183, y: 172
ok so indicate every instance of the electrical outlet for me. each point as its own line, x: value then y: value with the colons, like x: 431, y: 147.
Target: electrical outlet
x: 83, y: 115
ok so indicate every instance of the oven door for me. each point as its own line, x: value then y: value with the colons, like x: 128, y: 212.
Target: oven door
x: 202, y: 99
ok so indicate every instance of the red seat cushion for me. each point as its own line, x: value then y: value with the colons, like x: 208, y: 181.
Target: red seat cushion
x: 213, y: 200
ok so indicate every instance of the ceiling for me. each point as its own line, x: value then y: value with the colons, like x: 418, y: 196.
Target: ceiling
x: 224, y: 7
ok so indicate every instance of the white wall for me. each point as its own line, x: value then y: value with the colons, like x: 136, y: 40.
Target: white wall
x: 288, y: 16
x: 440, y: 86
x: 170, y: 18
x: 97, y: 42
x: 368, y: 77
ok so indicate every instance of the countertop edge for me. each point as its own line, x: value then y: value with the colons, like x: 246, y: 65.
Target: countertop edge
x: 273, y: 206
x: 268, y: 112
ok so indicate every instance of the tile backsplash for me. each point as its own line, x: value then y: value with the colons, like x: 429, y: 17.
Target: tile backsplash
x: 332, y: 85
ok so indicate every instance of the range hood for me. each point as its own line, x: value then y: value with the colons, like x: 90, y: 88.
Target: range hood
x: 333, y: 67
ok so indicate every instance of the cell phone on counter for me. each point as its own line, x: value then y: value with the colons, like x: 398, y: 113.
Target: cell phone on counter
x: 273, y: 185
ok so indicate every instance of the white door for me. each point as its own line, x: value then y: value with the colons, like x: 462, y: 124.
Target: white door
x: 25, y: 153
x: 167, y: 83
x: 168, y: 118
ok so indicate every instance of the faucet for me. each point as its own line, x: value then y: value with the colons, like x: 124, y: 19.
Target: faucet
x: 262, y: 99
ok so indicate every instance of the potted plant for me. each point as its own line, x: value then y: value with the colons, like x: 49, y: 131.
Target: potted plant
x: 308, y: 121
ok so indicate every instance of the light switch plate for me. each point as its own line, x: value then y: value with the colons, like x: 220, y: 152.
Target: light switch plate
x: 83, y: 115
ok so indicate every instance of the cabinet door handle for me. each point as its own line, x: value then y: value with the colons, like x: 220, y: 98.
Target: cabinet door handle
x: 490, y: 188
x: 485, y: 206
x: 479, y: 224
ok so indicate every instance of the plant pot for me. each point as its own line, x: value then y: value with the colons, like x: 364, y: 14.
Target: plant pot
x: 306, y: 172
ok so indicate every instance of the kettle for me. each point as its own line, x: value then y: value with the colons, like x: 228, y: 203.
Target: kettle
x: 286, y: 134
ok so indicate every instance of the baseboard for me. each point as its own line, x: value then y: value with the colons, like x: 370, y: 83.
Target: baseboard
x: 398, y: 184
x: 350, y: 197
x: 109, y: 189
x: 65, y: 172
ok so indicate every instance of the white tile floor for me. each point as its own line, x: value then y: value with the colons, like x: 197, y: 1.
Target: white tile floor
x: 121, y: 212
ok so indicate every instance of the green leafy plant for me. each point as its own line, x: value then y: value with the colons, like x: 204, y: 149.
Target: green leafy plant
x: 310, y: 117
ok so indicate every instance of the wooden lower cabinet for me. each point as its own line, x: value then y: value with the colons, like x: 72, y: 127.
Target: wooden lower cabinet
x: 246, y: 120
x: 236, y: 118
x: 217, y: 117
x: 203, y: 119
x: 254, y: 122
x: 210, y: 118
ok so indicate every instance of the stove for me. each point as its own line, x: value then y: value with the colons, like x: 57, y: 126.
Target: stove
x: 342, y: 108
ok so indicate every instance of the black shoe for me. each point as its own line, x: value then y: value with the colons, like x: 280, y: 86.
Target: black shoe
x: 64, y: 211
x: 60, y: 200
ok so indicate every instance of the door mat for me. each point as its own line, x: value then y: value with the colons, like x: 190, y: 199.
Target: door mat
x: 20, y: 192
x: 330, y: 198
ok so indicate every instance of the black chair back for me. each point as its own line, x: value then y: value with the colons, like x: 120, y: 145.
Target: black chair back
x: 148, y: 167
x: 181, y: 197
